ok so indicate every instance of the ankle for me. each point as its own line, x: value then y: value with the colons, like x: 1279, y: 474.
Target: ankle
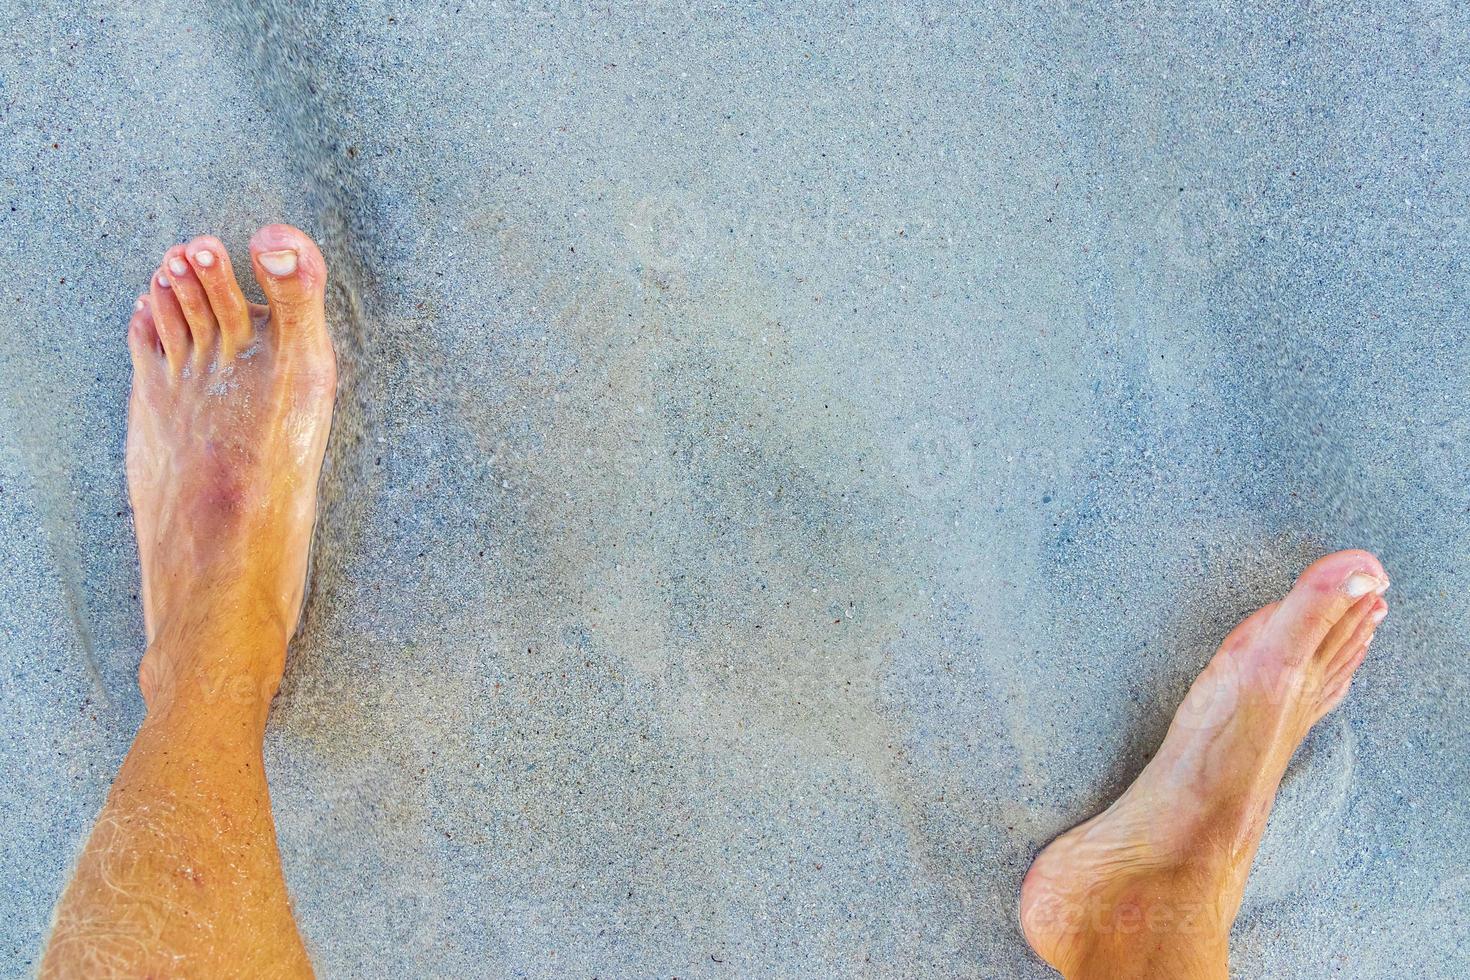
x: 229, y: 657
x: 219, y: 599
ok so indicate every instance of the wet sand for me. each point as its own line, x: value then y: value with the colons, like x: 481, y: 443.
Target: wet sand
x: 788, y: 465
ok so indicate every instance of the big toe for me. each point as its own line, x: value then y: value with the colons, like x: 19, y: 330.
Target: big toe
x: 293, y: 275
x: 1323, y: 594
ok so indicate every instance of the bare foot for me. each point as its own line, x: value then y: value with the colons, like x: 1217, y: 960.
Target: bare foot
x: 227, y: 426
x: 1150, y: 887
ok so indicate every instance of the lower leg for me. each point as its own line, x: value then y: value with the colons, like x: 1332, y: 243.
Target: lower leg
x: 181, y: 874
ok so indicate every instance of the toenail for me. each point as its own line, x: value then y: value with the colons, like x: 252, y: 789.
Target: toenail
x: 177, y: 266
x: 163, y: 281
x: 281, y: 263
x: 1378, y: 616
x: 1361, y: 583
x: 204, y: 257
x: 138, y: 306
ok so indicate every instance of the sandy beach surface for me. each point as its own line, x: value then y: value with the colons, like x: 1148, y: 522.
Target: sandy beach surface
x: 790, y: 461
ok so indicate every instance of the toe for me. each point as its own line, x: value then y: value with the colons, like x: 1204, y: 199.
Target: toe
x: 293, y: 275
x: 1336, y: 687
x: 1323, y: 594
x: 189, y: 291
x: 168, y: 321
x: 1355, y: 642
x: 143, y: 341
x: 211, y: 265
x: 1342, y: 632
